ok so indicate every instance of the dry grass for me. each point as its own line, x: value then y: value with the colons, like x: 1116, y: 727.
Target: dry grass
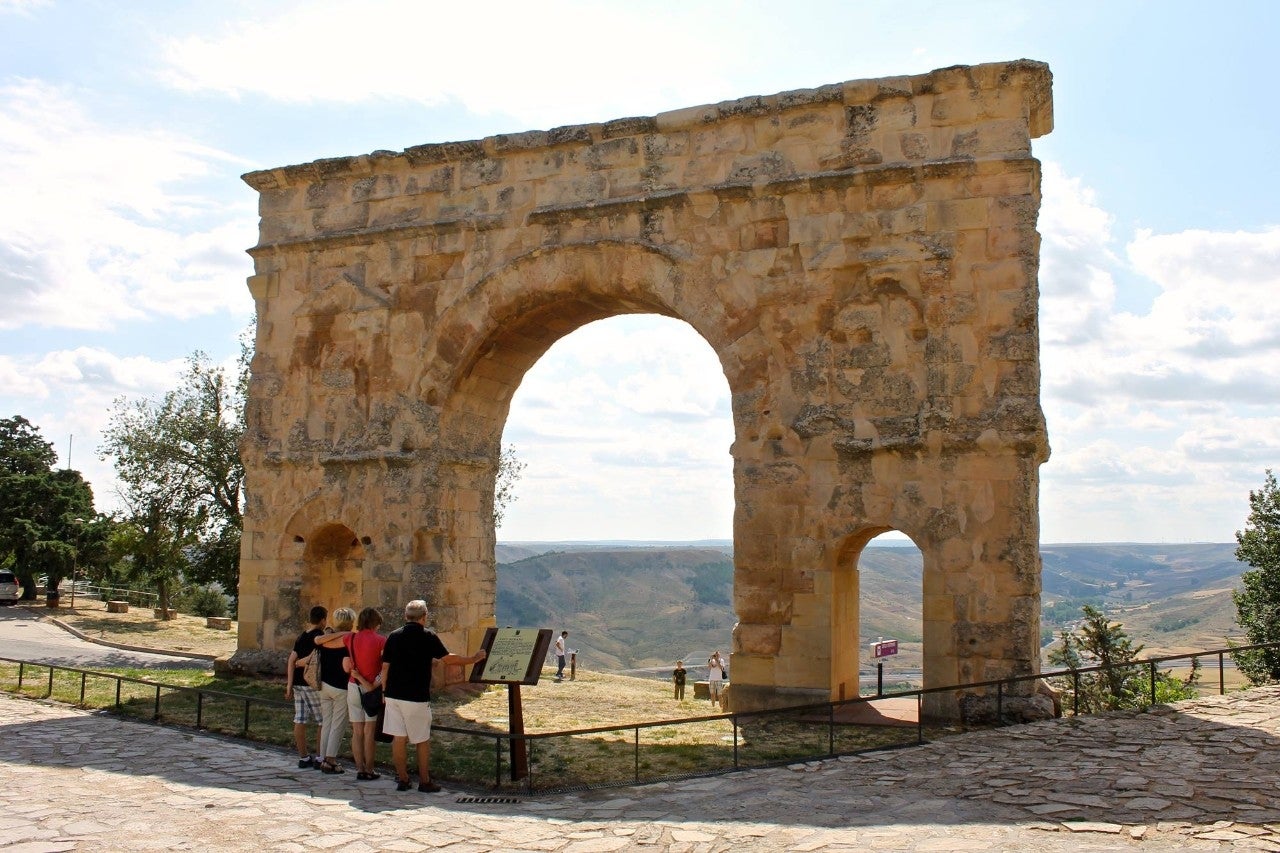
x: 683, y: 745
x: 638, y: 751
x: 482, y: 757
x: 139, y: 627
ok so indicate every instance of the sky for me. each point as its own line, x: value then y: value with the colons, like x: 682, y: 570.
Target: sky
x: 125, y: 127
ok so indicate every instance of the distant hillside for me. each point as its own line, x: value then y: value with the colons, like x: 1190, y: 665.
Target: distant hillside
x: 648, y: 604
x: 625, y: 608
x: 1172, y: 598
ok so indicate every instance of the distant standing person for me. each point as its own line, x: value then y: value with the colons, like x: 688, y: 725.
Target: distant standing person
x: 406, y: 686
x: 678, y: 678
x: 715, y: 676
x: 560, y: 655
x: 306, y: 700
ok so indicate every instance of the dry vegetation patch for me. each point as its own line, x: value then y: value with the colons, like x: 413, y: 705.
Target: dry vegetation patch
x: 139, y: 627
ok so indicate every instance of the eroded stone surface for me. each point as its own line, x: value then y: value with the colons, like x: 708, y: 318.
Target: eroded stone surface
x: 862, y: 258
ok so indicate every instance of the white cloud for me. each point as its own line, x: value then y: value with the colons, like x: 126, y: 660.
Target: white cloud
x: 576, y: 61
x: 92, y: 231
x: 1161, y: 413
x: 22, y: 7
x: 69, y: 393
x: 625, y: 428
x: 1218, y: 291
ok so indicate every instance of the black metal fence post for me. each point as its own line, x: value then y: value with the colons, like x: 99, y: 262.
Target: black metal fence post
x: 156, y: 715
x: 1222, y: 677
x: 1153, y: 683
x: 1075, y: 693
x: 199, y: 709
x: 637, y: 774
x: 735, y: 741
x: 118, y: 683
x: 83, y: 677
x: 50, y: 693
x: 919, y: 718
x: 497, y: 763
x: 1000, y: 704
x: 244, y: 731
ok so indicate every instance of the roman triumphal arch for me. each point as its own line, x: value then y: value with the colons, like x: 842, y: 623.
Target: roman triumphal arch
x: 862, y: 257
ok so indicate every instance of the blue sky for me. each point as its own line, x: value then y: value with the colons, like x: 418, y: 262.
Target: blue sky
x: 124, y: 128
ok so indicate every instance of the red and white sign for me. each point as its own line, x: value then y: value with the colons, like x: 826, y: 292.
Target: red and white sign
x: 884, y: 648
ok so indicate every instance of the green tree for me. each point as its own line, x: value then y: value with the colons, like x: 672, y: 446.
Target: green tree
x: 161, y: 523
x: 504, y: 489
x: 47, y: 521
x: 1122, y: 682
x: 179, y: 462
x: 1258, y: 600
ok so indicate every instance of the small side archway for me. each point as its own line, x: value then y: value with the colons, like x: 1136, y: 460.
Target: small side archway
x: 849, y: 604
x: 333, y: 567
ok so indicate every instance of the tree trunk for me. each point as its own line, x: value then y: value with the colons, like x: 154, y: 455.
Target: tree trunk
x: 162, y: 588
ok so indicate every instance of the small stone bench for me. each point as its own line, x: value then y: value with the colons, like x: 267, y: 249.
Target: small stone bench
x: 703, y: 690
x: 117, y: 607
x: 218, y: 623
x: 160, y: 613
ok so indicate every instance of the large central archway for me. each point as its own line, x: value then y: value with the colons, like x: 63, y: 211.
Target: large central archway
x: 861, y: 258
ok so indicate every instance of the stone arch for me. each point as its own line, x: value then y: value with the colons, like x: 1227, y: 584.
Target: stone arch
x: 526, y: 307
x: 862, y: 258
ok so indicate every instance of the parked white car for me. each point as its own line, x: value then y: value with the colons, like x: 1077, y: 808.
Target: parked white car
x: 9, y: 588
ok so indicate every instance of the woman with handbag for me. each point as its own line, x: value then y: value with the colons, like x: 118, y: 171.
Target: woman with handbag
x: 364, y: 691
x: 331, y: 649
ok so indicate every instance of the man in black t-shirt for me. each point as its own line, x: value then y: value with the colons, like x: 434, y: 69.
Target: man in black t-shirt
x: 306, y: 700
x: 406, y: 685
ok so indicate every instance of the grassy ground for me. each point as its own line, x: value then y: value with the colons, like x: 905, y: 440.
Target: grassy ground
x: 481, y: 756
x: 139, y: 627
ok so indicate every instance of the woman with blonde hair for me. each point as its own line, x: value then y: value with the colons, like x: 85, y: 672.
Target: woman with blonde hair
x: 365, y: 666
x: 332, y: 649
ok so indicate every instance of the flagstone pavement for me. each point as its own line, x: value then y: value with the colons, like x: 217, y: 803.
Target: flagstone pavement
x: 1202, y: 775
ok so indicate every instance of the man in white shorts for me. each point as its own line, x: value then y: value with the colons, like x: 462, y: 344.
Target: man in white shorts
x: 406, y: 685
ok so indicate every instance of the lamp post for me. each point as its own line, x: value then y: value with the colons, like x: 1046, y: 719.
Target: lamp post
x: 80, y: 532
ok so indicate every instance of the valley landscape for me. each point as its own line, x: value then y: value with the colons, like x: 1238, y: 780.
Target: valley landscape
x: 637, y: 607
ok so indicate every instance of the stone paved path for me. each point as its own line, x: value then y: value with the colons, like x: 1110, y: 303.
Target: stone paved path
x: 1205, y: 777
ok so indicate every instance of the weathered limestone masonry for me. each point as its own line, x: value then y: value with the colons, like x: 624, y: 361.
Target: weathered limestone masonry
x: 862, y: 257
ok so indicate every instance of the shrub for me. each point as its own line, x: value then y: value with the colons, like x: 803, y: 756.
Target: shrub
x: 205, y: 601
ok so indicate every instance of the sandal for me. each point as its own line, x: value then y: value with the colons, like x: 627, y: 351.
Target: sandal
x: 326, y: 767
x: 368, y: 777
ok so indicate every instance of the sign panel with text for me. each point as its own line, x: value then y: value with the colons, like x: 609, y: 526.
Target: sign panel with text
x: 884, y: 648
x: 515, y: 655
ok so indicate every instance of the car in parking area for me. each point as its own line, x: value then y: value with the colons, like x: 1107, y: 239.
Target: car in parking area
x: 10, y: 591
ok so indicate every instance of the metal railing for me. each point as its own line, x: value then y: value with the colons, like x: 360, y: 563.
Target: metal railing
x: 738, y: 740
x: 199, y: 695
x: 135, y: 597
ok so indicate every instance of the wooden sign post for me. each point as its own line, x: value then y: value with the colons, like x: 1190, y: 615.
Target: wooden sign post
x: 514, y: 657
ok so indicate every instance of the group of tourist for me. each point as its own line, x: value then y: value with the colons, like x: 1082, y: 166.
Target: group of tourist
x: 364, y: 675
x: 717, y: 675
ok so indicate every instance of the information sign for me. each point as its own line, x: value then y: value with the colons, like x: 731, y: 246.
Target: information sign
x: 884, y: 648
x: 515, y: 655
